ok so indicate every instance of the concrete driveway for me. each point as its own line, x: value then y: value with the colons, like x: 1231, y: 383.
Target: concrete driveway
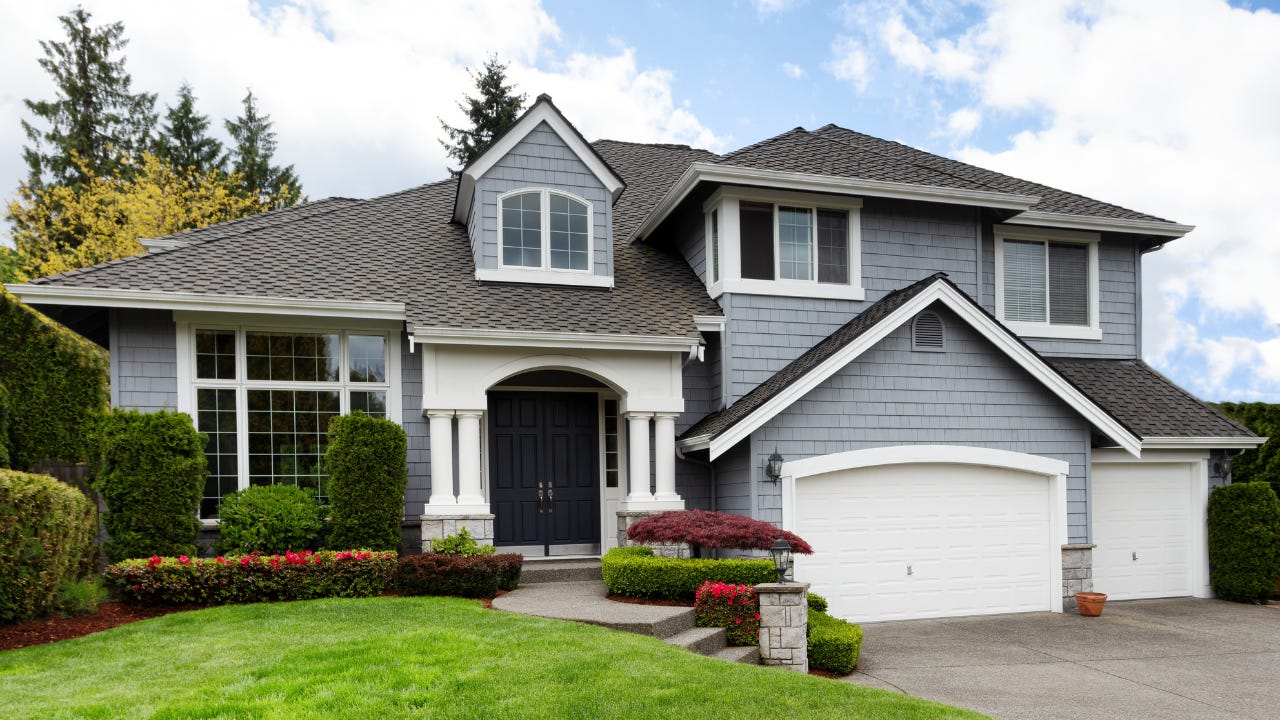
x: 1182, y: 658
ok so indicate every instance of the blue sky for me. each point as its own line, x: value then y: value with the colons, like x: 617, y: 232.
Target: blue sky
x: 1165, y: 106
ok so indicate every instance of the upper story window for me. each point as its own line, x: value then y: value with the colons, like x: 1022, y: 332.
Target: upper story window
x: 1047, y: 282
x: 545, y: 229
x: 784, y: 243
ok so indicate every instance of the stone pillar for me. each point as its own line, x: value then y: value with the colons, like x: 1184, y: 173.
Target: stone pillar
x: 638, y: 456
x: 784, y: 625
x: 627, y: 518
x: 441, y: 459
x: 1077, y: 573
x: 441, y: 526
x: 469, y: 492
x: 664, y: 457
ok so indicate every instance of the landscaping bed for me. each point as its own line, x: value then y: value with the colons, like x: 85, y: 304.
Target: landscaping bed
x: 53, y: 629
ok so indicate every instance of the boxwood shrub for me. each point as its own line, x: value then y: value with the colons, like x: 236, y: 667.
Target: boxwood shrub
x: 269, y: 519
x: 817, y: 602
x: 367, y: 465
x: 253, y: 578
x: 637, y: 572
x: 46, y: 527
x: 1244, y: 541
x: 150, y: 471
x: 834, y: 644
x: 469, y: 576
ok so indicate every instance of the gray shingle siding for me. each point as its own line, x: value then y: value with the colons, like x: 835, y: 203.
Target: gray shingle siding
x: 541, y: 160
x: 144, y: 360
x: 971, y: 394
x: 733, y: 480
x: 416, y: 430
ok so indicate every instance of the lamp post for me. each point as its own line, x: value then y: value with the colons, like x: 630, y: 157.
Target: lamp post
x: 781, y: 552
x: 773, y: 468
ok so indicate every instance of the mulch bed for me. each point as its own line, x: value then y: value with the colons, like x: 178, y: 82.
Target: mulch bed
x: 649, y: 601
x: 53, y: 629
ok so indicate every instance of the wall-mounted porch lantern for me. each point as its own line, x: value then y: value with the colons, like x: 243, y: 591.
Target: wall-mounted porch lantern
x: 773, y: 468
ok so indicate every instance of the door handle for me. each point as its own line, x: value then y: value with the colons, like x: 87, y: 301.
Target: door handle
x: 551, y: 498
x: 541, y: 504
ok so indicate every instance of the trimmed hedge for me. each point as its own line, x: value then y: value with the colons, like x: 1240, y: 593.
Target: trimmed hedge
x: 368, y: 471
x: 817, y: 603
x: 269, y: 519
x: 469, y: 576
x: 57, y: 383
x: 150, y: 471
x: 46, y: 527
x: 254, y: 578
x: 4, y: 427
x: 732, y: 607
x: 834, y: 644
x: 1244, y: 541
x: 637, y: 572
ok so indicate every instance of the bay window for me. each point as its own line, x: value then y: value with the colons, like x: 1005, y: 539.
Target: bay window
x: 1047, y: 282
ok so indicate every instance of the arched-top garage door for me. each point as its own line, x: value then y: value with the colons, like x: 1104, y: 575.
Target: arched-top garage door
x: 923, y: 540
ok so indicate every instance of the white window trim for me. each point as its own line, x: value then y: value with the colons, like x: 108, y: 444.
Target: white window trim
x: 545, y: 219
x: 188, y: 383
x: 726, y: 202
x: 1092, y: 331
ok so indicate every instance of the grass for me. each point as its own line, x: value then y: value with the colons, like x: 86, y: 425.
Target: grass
x: 406, y: 657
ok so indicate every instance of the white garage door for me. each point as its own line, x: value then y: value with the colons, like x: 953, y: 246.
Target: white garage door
x: 1142, y: 528
x: 926, y: 540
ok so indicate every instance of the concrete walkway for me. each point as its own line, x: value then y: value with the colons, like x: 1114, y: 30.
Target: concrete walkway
x: 1158, y: 659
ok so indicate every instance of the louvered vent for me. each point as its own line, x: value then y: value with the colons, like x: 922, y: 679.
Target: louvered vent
x: 927, y: 333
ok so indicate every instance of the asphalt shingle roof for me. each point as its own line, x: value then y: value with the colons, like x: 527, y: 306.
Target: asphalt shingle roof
x: 1146, y: 401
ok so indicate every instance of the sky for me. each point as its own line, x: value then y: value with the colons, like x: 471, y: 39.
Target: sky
x: 1170, y: 107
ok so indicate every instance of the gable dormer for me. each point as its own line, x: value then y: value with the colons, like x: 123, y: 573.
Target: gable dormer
x: 538, y: 205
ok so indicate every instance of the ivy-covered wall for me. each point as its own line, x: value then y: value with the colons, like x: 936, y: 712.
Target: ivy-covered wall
x: 1261, y: 464
x: 57, y: 384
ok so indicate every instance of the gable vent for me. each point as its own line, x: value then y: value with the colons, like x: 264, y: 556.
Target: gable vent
x: 927, y: 332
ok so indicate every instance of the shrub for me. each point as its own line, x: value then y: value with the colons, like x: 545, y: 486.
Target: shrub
x: 151, y: 470
x: 57, y: 383
x: 460, y: 544
x: 732, y: 607
x: 817, y: 603
x: 366, y: 462
x: 46, y: 527
x: 254, y: 578
x: 705, y: 529
x: 269, y: 519
x: 469, y: 576
x: 79, y: 597
x: 637, y: 572
x: 509, y: 567
x: 1244, y: 541
x: 4, y: 427
x: 834, y: 644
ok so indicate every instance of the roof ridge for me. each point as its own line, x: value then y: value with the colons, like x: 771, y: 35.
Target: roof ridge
x: 793, y: 131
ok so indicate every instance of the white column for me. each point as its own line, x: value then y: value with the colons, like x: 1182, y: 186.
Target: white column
x: 638, y: 454
x: 664, y: 457
x: 441, y: 458
x: 469, y: 461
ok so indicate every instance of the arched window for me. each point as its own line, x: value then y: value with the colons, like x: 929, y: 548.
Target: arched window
x: 928, y: 333
x: 546, y: 229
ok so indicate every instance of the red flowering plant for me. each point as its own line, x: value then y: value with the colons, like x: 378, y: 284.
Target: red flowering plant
x: 732, y: 607
x: 254, y: 578
x: 705, y: 529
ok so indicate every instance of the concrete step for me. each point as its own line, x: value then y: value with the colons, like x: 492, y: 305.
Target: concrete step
x: 749, y: 654
x: 546, y: 571
x: 703, y: 641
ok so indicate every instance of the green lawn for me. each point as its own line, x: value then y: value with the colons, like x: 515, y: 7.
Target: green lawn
x: 406, y: 657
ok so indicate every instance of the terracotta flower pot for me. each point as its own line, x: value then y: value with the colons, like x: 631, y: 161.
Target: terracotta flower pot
x: 1090, y: 603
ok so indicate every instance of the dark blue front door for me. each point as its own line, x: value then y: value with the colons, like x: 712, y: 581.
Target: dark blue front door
x: 545, y: 471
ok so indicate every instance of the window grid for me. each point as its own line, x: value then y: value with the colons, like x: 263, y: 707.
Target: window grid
x: 522, y: 230
x: 611, y: 454
x: 569, y: 240
x: 795, y: 243
x: 216, y: 417
x: 566, y: 223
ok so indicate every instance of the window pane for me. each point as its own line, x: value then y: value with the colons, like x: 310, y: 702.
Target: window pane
x: 368, y: 358
x: 288, y: 436
x: 292, y: 357
x: 370, y: 403
x: 216, y: 417
x: 1024, y: 281
x: 611, y: 443
x: 795, y: 243
x: 715, y: 246
x: 216, y: 354
x: 522, y: 230
x: 569, y: 242
x: 1068, y: 284
x: 756, y: 220
x: 833, y: 246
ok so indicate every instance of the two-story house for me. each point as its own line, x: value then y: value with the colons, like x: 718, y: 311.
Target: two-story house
x: 943, y: 362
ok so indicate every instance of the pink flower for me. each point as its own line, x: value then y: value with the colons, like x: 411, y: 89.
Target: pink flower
x: 184, y: 559
x: 154, y: 561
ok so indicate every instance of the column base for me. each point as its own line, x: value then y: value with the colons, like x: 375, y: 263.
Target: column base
x: 441, y: 508
x: 436, y: 527
x: 651, y: 507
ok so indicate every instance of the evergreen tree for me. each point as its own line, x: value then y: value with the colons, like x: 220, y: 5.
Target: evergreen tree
x: 184, y: 141
x: 271, y: 186
x: 490, y: 114
x: 94, y: 116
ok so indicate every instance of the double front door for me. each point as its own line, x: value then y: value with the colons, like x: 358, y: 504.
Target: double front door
x: 545, y: 472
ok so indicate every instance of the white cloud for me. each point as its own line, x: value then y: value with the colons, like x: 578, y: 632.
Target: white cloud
x: 793, y: 71
x: 948, y: 60
x: 850, y: 62
x: 963, y: 122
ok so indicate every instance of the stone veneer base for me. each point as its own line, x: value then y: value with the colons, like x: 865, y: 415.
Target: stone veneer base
x: 1077, y: 573
x: 441, y: 526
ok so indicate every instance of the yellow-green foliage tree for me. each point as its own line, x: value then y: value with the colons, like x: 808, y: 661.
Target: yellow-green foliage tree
x: 108, y: 215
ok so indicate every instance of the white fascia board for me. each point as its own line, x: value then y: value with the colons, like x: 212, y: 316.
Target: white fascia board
x: 709, y: 323
x: 517, y: 338
x: 962, y: 306
x: 693, y: 444
x: 541, y: 112
x: 1194, y: 443
x: 1100, y: 224
x: 163, y: 300
x: 813, y: 183
x: 538, y: 276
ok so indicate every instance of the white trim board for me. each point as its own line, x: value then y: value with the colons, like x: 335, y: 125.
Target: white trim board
x: 961, y: 305
x: 1101, y: 224
x: 518, y: 338
x: 197, y: 302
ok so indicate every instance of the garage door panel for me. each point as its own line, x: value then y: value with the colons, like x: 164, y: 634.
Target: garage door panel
x: 976, y: 540
x: 1141, y: 526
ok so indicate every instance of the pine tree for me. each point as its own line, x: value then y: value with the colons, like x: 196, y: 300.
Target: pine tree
x: 271, y: 186
x: 94, y: 116
x: 490, y: 114
x: 184, y: 141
